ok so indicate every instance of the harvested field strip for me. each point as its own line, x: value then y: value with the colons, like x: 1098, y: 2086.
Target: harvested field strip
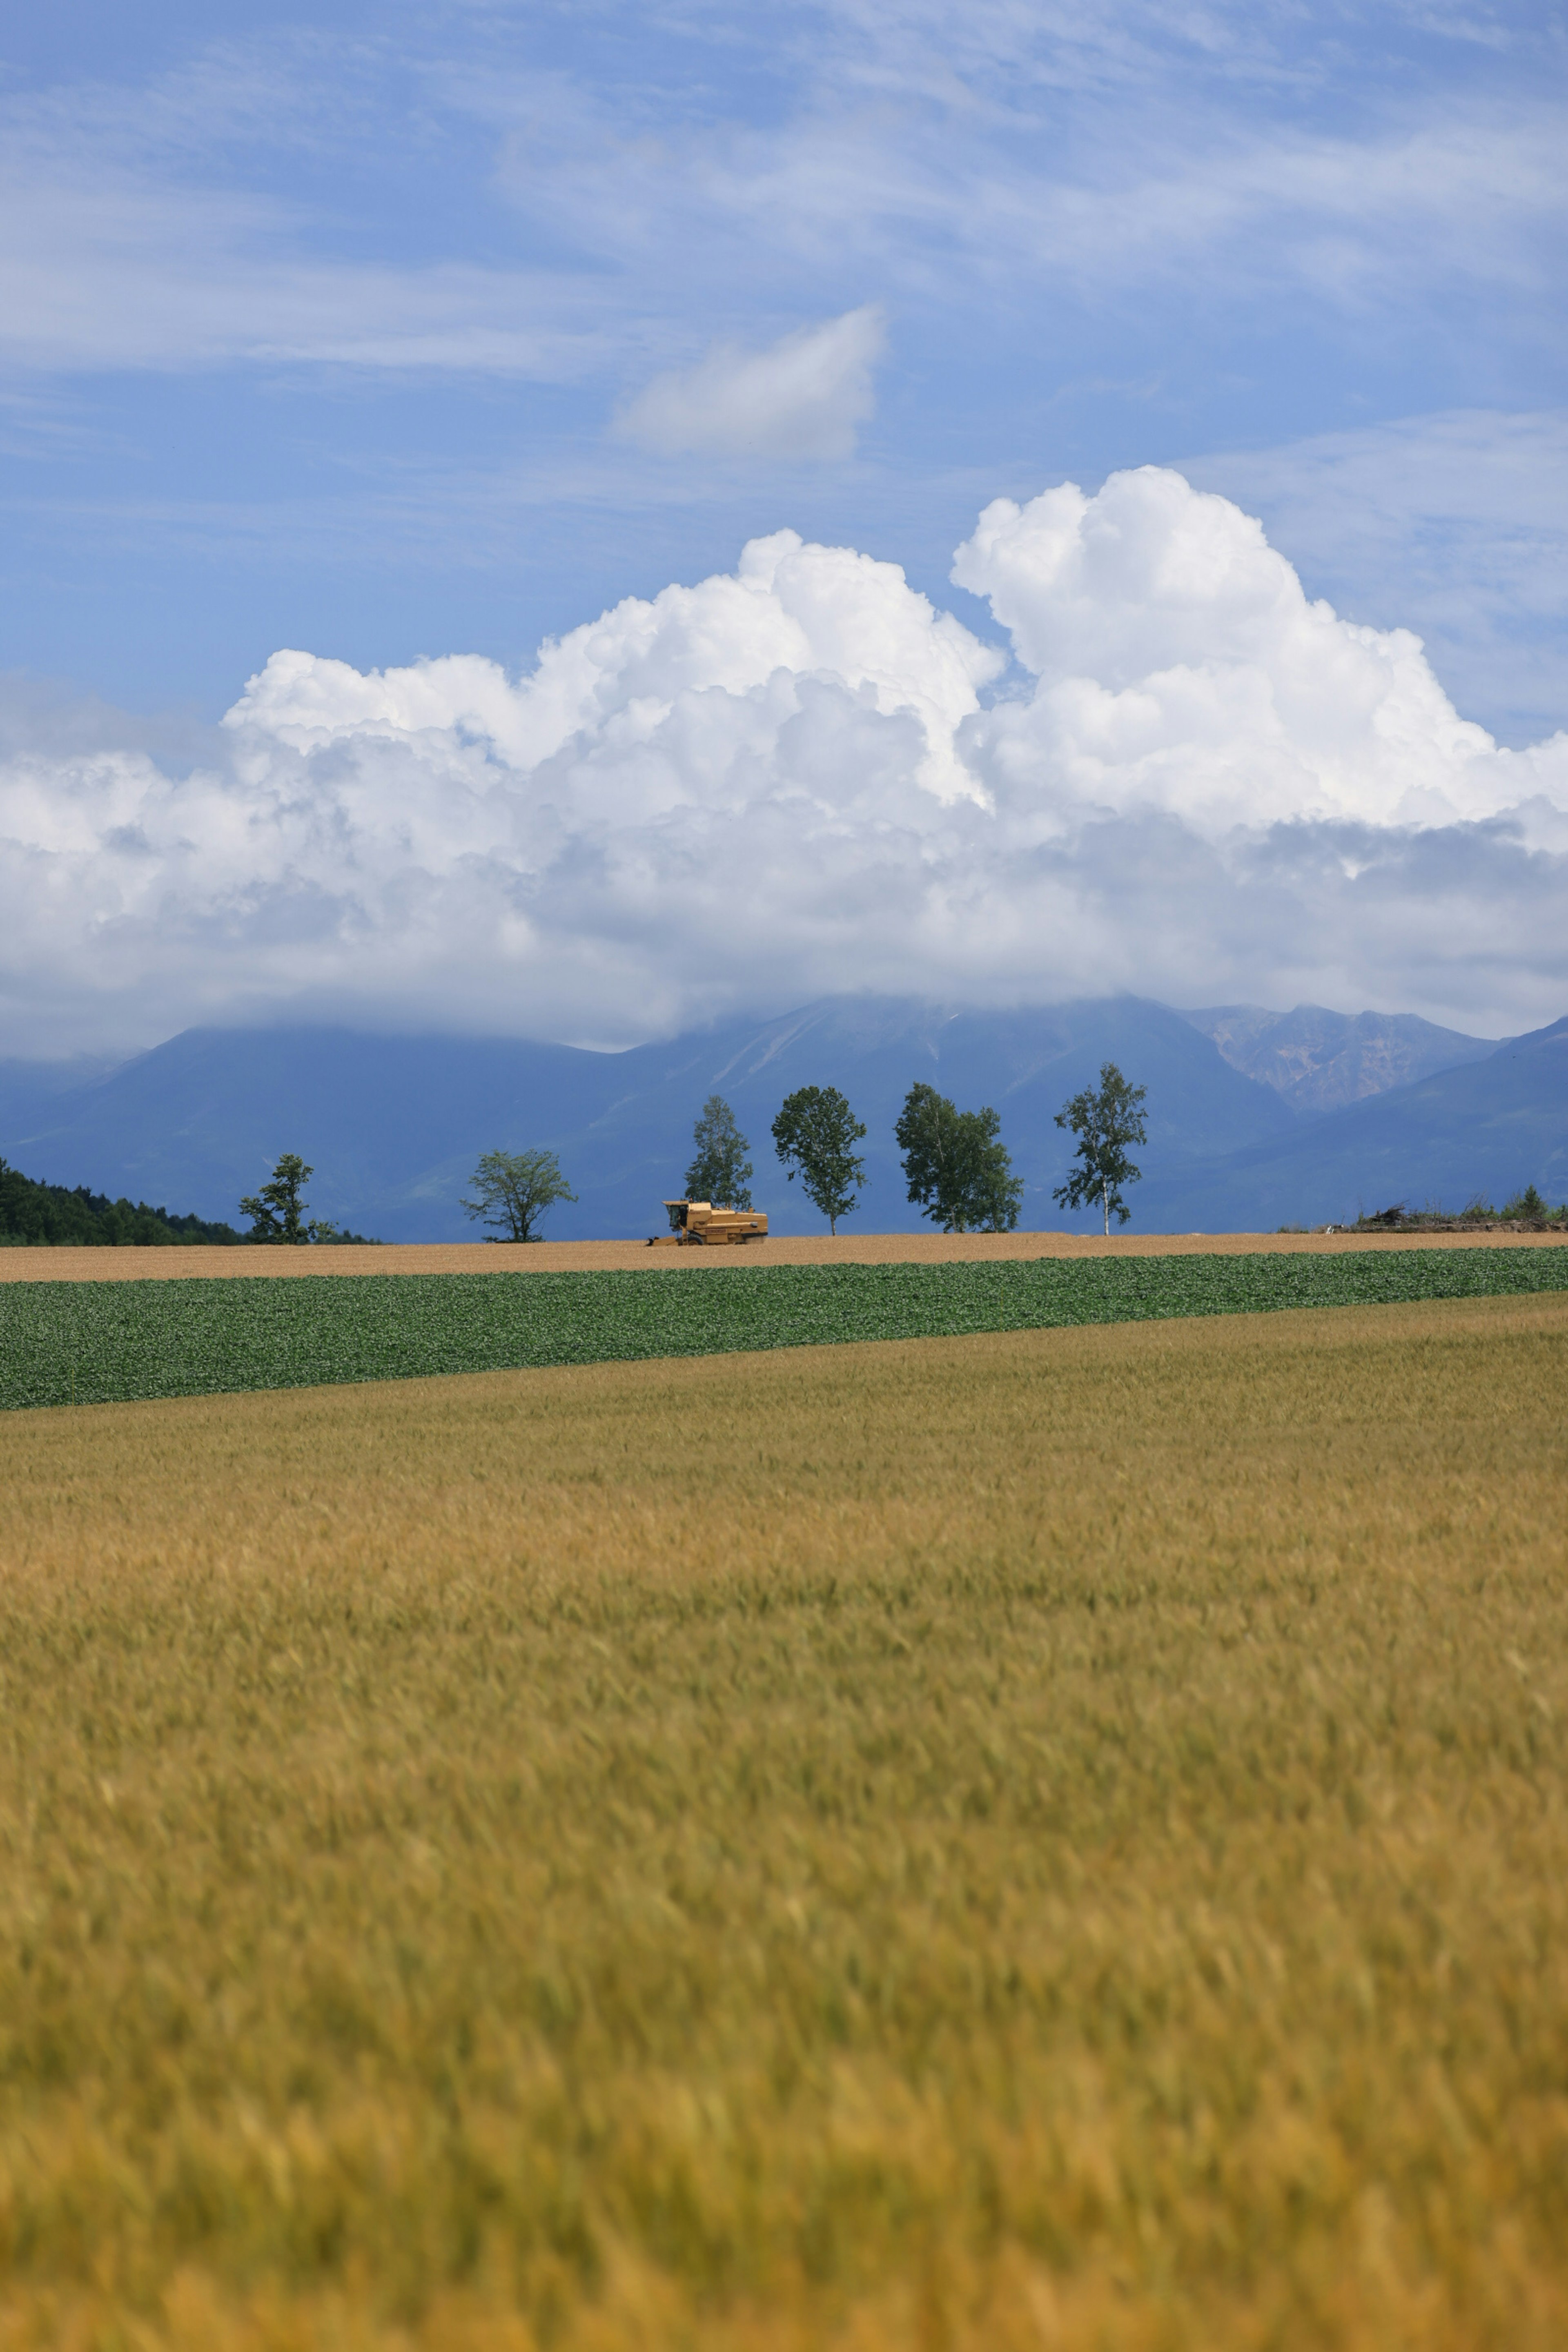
x: 245, y: 1259
x: 1057, y: 1840
x: 87, y: 1343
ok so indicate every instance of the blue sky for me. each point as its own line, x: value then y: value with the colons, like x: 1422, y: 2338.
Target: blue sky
x: 337, y: 330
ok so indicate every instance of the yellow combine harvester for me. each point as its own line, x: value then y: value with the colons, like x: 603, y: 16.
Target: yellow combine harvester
x: 699, y: 1225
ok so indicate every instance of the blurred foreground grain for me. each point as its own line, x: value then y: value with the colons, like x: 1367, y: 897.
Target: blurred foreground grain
x: 1055, y: 1839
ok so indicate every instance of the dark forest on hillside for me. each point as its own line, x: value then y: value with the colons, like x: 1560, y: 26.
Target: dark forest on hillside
x: 53, y: 1214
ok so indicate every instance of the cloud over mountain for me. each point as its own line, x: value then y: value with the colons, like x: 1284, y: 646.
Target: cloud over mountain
x: 801, y: 778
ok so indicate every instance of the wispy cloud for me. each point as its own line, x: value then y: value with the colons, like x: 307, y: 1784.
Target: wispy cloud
x: 175, y: 226
x: 871, y: 145
x: 102, y: 270
x: 1043, y: 147
x: 805, y: 395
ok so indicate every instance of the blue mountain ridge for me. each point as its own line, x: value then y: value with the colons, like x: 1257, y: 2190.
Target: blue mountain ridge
x: 1488, y: 1127
x: 395, y: 1124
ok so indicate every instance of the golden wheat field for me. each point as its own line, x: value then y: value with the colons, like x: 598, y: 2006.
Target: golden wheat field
x: 1048, y: 1840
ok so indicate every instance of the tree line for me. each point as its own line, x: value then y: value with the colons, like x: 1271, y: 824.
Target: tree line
x: 957, y: 1168
x: 36, y: 1214
x: 57, y: 1215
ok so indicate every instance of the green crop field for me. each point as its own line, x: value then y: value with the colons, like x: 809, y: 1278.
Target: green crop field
x: 92, y: 1343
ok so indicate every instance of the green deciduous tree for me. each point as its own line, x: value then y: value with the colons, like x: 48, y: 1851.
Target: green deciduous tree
x: 956, y: 1165
x: 515, y: 1188
x: 277, y: 1213
x: 721, y: 1171
x: 1105, y: 1119
x: 818, y: 1132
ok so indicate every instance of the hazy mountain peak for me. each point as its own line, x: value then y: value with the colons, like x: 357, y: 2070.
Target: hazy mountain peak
x: 1319, y: 1060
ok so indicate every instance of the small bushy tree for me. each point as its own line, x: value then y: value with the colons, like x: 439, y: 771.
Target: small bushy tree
x: 515, y: 1188
x: 956, y: 1165
x: 721, y: 1171
x: 816, y: 1134
x: 277, y: 1213
x: 1105, y: 1119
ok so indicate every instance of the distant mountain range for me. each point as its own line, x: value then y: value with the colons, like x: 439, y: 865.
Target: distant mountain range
x: 1488, y: 1127
x: 1320, y: 1061
x: 1255, y: 1119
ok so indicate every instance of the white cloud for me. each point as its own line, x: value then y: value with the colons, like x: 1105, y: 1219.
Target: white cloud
x: 804, y: 397
x: 788, y: 780
x: 1456, y: 522
x: 1180, y: 667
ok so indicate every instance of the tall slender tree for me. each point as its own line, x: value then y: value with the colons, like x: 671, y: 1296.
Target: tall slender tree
x: 1105, y: 1119
x: 814, y: 1134
x: 721, y: 1171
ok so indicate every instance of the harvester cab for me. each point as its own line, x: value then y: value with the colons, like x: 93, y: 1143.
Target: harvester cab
x: 698, y: 1224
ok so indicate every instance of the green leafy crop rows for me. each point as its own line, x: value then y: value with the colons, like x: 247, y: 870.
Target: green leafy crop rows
x: 91, y: 1343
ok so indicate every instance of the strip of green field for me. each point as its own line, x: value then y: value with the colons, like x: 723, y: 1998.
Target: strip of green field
x: 109, y: 1342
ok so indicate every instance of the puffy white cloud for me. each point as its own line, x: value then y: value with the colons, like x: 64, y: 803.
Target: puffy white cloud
x: 1455, y: 522
x: 805, y: 397
x: 802, y: 778
x: 803, y: 610
x: 1180, y: 667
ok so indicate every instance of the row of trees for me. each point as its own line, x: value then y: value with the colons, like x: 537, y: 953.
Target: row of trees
x: 955, y: 1163
x: 956, y: 1166
x: 816, y: 1134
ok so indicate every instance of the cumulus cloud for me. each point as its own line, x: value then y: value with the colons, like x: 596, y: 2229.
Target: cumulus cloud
x: 1180, y: 667
x: 801, y: 777
x: 1456, y: 523
x: 805, y: 397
